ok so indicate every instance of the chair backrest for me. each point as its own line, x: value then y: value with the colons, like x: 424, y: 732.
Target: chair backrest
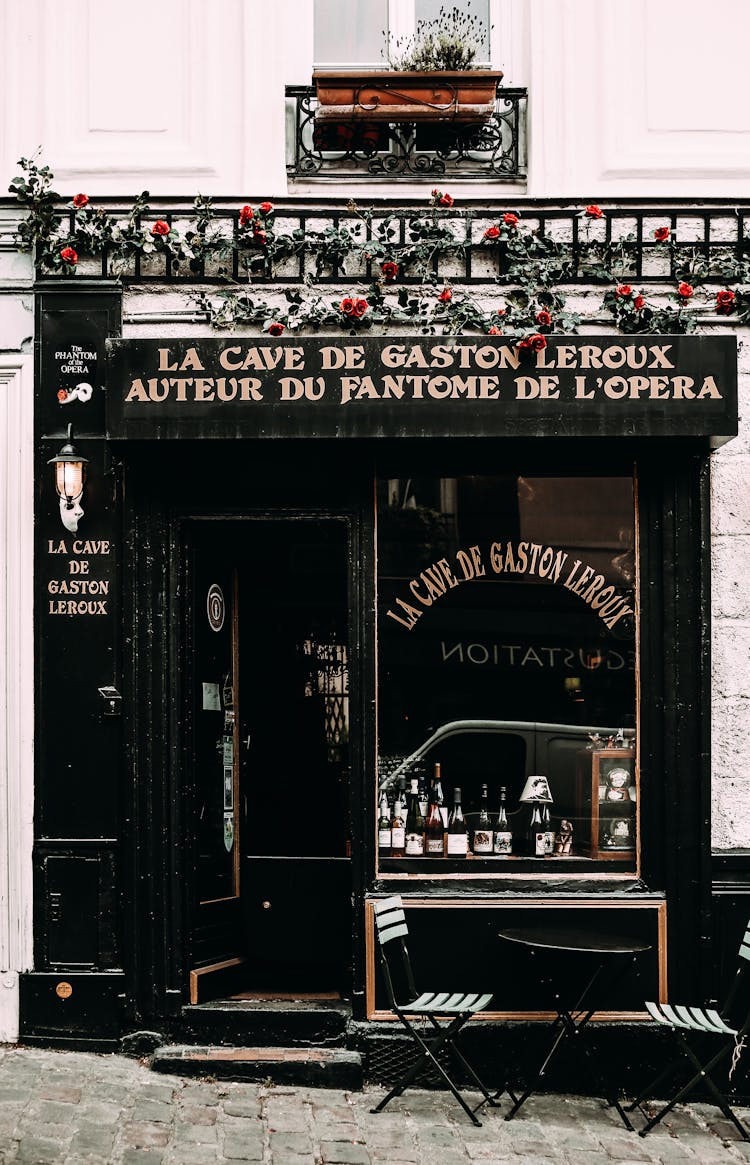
x: 736, y: 1005
x: 392, y: 932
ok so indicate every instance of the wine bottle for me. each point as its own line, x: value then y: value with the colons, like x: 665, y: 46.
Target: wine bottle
x: 434, y: 833
x: 458, y: 837
x: 384, y: 826
x: 424, y: 801
x: 414, y: 846
x: 483, y: 831
x: 398, y: 828
x: 537, y: 833
x: 503, y: 840
x: 437, y: 794
x: 549, y: 833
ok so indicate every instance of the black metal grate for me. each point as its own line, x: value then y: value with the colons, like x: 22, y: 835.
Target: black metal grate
x: 388, y: 152
x: 390, y: 1057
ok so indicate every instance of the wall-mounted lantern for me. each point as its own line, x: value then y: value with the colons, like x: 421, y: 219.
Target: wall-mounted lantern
x: 70, y: 475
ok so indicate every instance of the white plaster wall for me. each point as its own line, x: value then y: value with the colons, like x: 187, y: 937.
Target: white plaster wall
x: 730, y: 575
x: 16, y: 625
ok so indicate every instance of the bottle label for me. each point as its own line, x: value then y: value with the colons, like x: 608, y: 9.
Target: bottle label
x: 444, y: 815
x: 424, y: 808
x: 398, y: 837
x: 503, y: 842
x: 458, y: 845
x: 482, y: 841
x: 543, y: 844
x: 435, y: 846
x: 414, y: 844
x: 384, y: 838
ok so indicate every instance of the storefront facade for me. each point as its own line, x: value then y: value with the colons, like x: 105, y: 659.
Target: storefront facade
x: 307, y: 567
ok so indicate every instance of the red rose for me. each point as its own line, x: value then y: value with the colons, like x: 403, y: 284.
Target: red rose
x: 510, y: 220
x: 544, y: 318
x: 246, y: 215
x: 275, y: 329
x: 725, y: 302
x: 62, y: 395
x: 492, y: 232
x: 533, y: 343
x: 625, y: 290
x: 661, y: 234
x: 347, y: 305
x: 446, y: 295
x: 501, y: 311
x: 594, y: 211
x: 446, y: 200
x: 68, y: 255
x: 360, y: 307
x: 494, y: 331
x: 160, y: 227
x: 685, y: 291
x: 639, y: 302
x: 389, y: 269
x: 265, y: 207
x: 260, y: 237
x: 80, y: 200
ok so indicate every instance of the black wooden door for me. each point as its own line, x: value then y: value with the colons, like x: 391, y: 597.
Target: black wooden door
x: 294, y: 668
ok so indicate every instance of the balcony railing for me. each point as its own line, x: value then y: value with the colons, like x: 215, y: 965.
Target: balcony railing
x: 389, y: 152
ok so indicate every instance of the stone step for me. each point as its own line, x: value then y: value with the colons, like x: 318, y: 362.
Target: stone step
x: 264, y: 1023
x: 309, y: 1067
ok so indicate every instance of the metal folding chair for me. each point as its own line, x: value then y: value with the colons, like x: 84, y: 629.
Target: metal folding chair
x: 707, y: 1021
x: 455, y: 1006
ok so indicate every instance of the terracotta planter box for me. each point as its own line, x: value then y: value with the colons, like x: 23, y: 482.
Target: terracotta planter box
x: 383, y: 95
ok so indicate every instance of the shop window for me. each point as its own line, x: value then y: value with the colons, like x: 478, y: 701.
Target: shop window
x: 358, y: 32
x: 507, y: 652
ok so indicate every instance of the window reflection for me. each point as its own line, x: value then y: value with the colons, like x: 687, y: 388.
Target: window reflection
x: 506, y: 610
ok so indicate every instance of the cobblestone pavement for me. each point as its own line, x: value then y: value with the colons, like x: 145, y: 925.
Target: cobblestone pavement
x: 71, y: 1107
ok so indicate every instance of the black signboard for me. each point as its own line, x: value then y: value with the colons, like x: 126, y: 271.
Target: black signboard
x: 406, y: 386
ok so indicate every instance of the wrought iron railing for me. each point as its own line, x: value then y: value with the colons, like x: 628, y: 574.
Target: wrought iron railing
x: 709, y: 241
x: 335, y: 151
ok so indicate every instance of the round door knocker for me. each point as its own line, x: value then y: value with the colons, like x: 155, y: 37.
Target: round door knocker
x: 63, y: 990
x: 215, y: 607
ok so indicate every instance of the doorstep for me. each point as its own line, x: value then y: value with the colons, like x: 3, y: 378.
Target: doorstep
x: 310, y: 1067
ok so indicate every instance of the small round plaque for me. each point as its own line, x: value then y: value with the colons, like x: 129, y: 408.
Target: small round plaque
x: 215, y: 607
x: 63, y: 990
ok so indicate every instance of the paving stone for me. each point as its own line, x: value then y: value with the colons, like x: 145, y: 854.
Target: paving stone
x: 291, y: 1142
x: 145, y: 1134
x: 344, y: 1152
x: 33, y: 1151
x: 243, y: 1149
x: 142, y: 1157
x: 198, y: 1115
x: 152, y: 1110
x: 185, y: 1134
x: 248, y: 1107
x: 60, y: 1092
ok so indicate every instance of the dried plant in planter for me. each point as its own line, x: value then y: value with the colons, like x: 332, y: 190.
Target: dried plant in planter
x: 451, y: 41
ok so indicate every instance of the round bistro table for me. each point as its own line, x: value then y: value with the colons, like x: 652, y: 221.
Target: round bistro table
x: 601, y: 950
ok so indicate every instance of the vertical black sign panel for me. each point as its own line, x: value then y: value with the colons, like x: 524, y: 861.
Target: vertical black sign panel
x: 78, y: 753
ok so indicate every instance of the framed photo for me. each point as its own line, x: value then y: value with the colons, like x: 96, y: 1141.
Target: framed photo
x: 228, y: 788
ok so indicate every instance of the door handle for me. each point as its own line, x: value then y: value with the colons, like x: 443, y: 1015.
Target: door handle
x: 246, y: 742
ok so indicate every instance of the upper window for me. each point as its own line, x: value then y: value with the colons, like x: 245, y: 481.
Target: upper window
x: 360, y: 31
x: 506, y: 658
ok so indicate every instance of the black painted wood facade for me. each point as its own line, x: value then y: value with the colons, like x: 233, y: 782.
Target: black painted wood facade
x: 113, y: 876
